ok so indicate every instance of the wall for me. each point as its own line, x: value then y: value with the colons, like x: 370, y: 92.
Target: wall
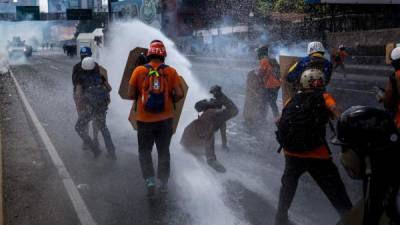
x: 370, y: 42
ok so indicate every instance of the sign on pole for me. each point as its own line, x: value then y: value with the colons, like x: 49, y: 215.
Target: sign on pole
x: 79, y: 14
x: 28, y: 13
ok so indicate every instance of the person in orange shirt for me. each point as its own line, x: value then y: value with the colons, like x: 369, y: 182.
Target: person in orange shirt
x: 301, y: 134
x: 271, y: 85
x: 391, y: 98
x: 262, y: 88
x: 339, y: 59
x: 155, y: 87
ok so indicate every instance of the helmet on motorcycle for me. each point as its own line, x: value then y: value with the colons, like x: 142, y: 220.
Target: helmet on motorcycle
x: 366, y: 128
x: 363, y: 131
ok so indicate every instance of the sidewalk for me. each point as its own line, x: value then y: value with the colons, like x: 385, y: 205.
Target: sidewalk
x: 2, y: 73
x: 33, y: 192
x: 1, y: 182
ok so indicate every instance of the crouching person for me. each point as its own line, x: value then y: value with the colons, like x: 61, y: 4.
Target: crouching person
x: 199, y: 134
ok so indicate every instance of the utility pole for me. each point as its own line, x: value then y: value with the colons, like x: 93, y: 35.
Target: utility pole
x: 110, y: 14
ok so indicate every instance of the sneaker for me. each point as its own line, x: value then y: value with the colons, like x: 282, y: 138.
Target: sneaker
x: 96, y: 143
x: 85, y: 147
x: 283, y: 220
x: 112, y: 155
x: 96, y: 153
x: 226, y: 148
x: 164, y: 187
x: 151, y: 186
x: 217, y: 166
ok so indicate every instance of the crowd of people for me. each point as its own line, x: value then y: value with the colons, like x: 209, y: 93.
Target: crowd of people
x: 369, y: 137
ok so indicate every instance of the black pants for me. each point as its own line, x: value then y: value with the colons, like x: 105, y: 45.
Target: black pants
x: 98, y: 116
x: 159, y: 133
x: 271, y: 95
x: 324, y: 172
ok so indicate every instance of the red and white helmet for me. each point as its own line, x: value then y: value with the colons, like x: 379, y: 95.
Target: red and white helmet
x: 157, y: 48
x: 312, y: 79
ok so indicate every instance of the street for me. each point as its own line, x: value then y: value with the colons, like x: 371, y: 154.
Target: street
x: 114, y: 192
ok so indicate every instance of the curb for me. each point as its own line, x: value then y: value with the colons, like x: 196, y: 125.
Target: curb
x: 1, y: 182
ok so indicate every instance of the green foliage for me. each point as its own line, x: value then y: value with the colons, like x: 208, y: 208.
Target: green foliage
x: 268, y: 6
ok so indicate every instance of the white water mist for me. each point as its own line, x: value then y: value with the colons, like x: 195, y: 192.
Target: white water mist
x: 202, y: 193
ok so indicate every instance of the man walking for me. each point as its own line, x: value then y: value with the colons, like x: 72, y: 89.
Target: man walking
x: 92, y: 98
x: 78, y: 72
x: 155, y: 87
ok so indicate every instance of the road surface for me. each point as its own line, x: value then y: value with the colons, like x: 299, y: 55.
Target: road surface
x: 113, y: 191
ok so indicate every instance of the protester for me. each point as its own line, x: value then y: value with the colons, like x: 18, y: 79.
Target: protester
x: 391, y: 97
x: 92, y: 96
x: 339, y: 58
x: 262, y: 88
x: 301, y: 134
x: 155, y: 87
x: 199, y: 134
x: 314, y: 60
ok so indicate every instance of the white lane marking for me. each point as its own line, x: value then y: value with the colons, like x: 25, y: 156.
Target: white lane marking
x: 1, y: 184
x: 80, y: 207
x: 54, y: 67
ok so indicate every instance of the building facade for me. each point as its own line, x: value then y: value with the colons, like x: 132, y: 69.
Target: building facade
x: 182, y: 17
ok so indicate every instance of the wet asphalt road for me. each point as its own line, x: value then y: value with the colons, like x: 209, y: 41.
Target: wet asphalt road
x: 114, y: 190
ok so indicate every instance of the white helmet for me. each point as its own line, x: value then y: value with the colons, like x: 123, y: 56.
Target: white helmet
x: 314, y: 47
x: 341, y: 46
x: 395, y: 55
x: 88, y: 63
x: 312, y: 78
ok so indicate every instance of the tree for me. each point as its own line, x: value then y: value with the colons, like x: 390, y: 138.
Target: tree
x: 268, y: 6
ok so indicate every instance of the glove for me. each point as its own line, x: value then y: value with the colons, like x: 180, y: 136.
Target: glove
x: 216, y: 90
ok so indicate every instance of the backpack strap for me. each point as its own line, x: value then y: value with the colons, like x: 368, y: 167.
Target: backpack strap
x: 161, y: 68
x: 148, y: 66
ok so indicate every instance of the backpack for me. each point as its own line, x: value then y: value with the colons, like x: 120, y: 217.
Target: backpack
x: 94, y: 90
x: 315, y: 62
x: 302, y: 125
x: 155, y: 89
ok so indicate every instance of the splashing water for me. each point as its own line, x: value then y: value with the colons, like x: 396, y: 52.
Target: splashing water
x: 201, y: 192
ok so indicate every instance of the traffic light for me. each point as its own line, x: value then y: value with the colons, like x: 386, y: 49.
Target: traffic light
x: 79, y: 14
x: 28, y: 13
